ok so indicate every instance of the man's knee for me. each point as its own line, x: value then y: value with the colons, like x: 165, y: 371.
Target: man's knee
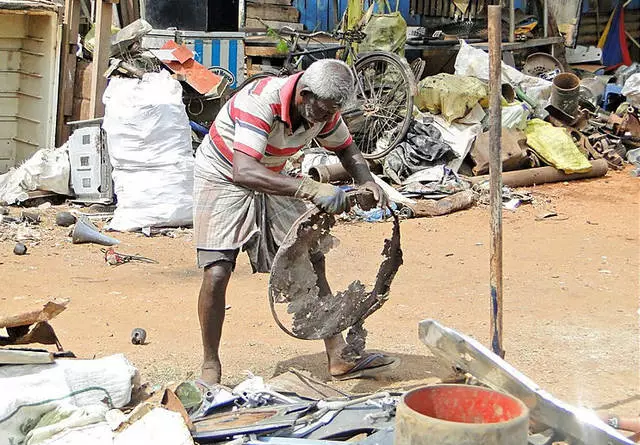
x: 216, y: 275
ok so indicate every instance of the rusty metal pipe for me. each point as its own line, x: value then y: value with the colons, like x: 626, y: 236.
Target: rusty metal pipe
x: 543, y: 175
x: 329, y: 173
x: 495, y: 174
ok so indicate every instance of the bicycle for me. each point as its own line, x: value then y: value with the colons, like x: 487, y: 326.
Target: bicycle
x: 381, y: 111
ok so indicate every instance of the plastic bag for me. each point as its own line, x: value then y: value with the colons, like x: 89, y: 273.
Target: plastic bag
x: 631, y: 89
x: 451, y: 95
x: 556, y: 147
x: 385, y: 32
x: 47, y: 169
x: 475, y: 62
x: 515, y: 116
x: 149, y: 141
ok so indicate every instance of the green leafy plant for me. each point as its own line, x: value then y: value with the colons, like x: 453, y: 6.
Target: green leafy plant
x: 282, y: 46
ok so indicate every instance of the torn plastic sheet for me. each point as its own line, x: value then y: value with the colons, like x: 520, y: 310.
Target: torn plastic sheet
x: 475, y: 62
x: 293, y: 285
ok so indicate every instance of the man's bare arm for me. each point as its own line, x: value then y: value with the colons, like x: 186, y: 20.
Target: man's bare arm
x: 250, y: 173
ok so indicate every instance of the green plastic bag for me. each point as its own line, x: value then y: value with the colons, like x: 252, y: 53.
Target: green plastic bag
x: 385, y: 32
x: 556, y: 147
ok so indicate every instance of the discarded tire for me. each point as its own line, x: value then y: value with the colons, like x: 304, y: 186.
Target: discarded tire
x: 138, y: 336
x: 20, y: 249
x: 460, y: 415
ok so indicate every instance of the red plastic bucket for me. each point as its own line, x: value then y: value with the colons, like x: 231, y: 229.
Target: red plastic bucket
x: 461, y: 415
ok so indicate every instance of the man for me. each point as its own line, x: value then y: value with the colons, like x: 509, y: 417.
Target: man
x: 242, y: 201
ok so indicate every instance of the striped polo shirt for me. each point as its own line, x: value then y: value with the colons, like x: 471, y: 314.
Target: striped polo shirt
x: 257, y: 122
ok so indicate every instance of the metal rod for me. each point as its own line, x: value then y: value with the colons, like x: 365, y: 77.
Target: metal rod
x: 495, y: 172
x: 545, y: 19
x: 512, y: 20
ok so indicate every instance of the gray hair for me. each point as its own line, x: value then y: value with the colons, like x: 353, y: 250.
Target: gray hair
x: 329, y: 79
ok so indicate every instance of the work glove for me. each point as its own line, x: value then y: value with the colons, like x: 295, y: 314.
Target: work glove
x: 327, y: 197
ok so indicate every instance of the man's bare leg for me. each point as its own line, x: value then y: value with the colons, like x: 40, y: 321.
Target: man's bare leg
x: 211, y: 303
x: 336, y: 344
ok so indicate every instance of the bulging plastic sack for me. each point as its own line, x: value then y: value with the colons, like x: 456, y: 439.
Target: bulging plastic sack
x: 451, y: 95
x: 556, y: 147
x: 149, y: 142
x: 631, y: 89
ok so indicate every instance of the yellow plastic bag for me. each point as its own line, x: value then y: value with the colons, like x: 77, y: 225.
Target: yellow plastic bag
x: 385, y: 31
x: 556, y: 147
x: 451, y: 95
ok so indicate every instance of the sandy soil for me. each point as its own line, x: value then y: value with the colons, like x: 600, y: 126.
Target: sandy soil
x: 570, y: 296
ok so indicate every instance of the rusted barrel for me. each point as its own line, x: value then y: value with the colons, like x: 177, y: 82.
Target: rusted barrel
x: 565, y: 93
x: 460, y: 415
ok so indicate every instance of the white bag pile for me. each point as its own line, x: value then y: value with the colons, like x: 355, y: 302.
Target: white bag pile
x: 149, y: 142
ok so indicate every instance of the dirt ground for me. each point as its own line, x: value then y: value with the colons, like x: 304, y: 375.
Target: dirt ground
x: 571, y: 288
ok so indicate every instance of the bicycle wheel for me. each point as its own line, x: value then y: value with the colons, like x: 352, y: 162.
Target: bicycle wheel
x: 382, y: 112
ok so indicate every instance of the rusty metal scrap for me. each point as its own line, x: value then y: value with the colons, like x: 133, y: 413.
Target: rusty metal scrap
x: 294, y: 282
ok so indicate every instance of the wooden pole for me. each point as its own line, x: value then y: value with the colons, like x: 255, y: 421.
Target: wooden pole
x: 101, y: 53
x: 495, y: 172
x: 69, y: 47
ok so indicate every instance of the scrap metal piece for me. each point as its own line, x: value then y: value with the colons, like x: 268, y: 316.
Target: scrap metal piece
x: 470, y: 356
x: 293, y: 282
x: 247, y: 421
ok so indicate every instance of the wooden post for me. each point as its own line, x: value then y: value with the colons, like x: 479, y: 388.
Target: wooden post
x: 69, y: 46
x: 495, y: 171
x: 101, y: 53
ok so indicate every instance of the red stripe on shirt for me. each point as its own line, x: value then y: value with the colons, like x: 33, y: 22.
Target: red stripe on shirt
x: 260, y: 86
x: 218, y: 142
x: 277, y: 168
x: 247, y: 150
x: 348, y: 142
x: 287, y: 151
x: 250, y: 119
x: 331, y: 124
x: 276, y: 109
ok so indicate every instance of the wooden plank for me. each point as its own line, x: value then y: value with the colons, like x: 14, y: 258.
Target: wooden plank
x: 273, y: 12
x: 252, y: 23
x: 271, y: 2
x: 17, y: 357
x: 104, y: 14
x: 263, y: 51
x: 34, y: 314
x: 459, y: 351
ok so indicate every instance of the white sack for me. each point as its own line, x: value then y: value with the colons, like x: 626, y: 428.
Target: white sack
x: 149, y: 142
x: 158, y: 427
x: 631, y: 89
x: 48, y: 169
x: 29, y: 391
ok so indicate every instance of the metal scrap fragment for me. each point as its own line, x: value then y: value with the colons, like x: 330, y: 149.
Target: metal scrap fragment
x: 294, y: 282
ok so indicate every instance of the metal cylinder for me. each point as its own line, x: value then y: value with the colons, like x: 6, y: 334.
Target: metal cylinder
x: 543, y: 175
x: 565, y: 93
x: 460, y: 415
x: 329, y: 173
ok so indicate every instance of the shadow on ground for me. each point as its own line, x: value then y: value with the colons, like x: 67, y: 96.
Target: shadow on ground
x: 413, y: 371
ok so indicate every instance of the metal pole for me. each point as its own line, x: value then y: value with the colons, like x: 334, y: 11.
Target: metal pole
x: 512, y: 21
x: 495, y: 172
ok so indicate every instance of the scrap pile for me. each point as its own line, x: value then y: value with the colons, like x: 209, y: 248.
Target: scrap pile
x: 56, y: 399
x: 555, y: 127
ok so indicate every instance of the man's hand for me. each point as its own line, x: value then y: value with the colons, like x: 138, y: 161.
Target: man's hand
x: 378, y: 194
x: 327, y: 197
